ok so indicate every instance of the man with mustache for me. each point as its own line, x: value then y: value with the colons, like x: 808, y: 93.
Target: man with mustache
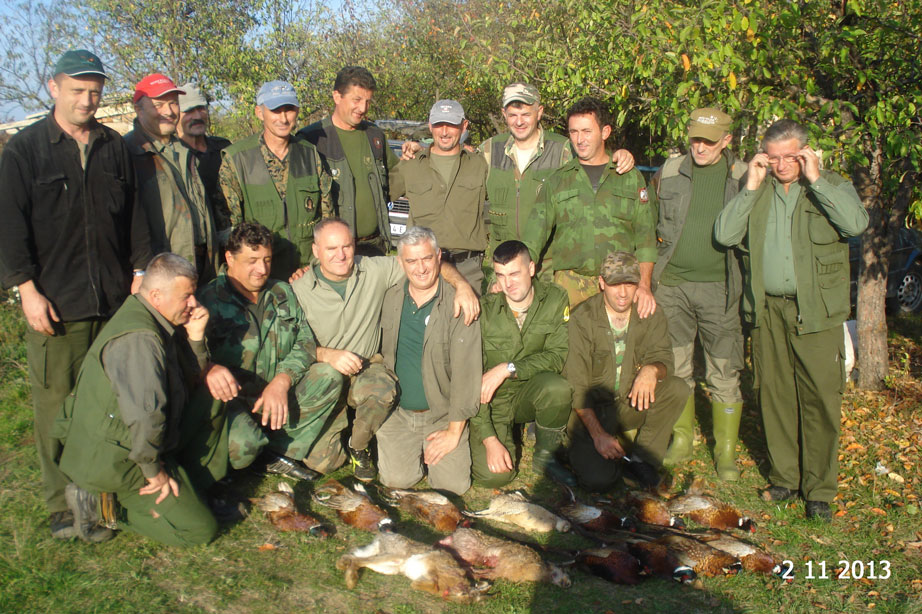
x: 72, y: 232
x: 590, y: 210
x: 169, y: 185
x: 277, y: 179
x: 194, y: 122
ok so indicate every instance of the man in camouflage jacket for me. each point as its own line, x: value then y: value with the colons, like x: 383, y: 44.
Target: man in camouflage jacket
x: 264, y: 362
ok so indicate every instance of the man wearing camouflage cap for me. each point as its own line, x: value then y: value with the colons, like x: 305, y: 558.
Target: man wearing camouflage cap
x: 621, y: 370
x: 586, y: 209
x: 192, y: 128
x: 446, y: 187
x: 72, y: 233
x: 277, y: 179
x: 699, y: 281
x: 169, y: 185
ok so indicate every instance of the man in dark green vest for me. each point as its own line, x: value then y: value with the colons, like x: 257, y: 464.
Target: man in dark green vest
x: 356, y: 152
x: 277, y: 179
x: 128, y: 427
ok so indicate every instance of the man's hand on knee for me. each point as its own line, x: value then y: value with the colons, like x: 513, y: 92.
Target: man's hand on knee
x: 222, y: 384
x: 498, y: 458
x: 343, y: 361
x: 274, y: 402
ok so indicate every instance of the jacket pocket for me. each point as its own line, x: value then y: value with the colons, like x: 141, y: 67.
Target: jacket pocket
x: 820, y: 229
x: 832, y: 280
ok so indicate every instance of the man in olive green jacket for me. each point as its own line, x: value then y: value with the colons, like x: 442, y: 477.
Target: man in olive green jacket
x: 793, y: 227
x: 128, y: 427
x: 621, y: 370
x: 524, y: 330
x: 437, y: 361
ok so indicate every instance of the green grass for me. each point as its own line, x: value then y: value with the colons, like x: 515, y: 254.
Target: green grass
x: 879, y: 519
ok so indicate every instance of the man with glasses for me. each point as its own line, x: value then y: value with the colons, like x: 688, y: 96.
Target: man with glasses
x: 794, y: 224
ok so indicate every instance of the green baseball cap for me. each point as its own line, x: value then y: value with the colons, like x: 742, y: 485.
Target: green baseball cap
x: 79, y: 62
x: 520, y: 92
x: 709, y: 123
x: 620, y: 268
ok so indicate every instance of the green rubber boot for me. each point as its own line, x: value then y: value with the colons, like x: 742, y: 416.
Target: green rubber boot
x: 547, y: 442
x: 683, y: 434
x: 726, y: 429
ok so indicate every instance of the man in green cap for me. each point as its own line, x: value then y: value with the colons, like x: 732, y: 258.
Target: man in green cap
x: 699, y: 281
x: 621, y: 370
x: 524, y: 331
x: 795, y: 224
x: 277, y: 179
x: 586, y: 209
x: 169, y: 185
x: 356, y: 152
x: 192, y: 129
x: 72, y: 233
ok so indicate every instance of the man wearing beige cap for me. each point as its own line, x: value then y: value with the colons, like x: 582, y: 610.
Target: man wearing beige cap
x: 699, y: 281
x: 446, y: 187
x: 621, y: 370
x: 169, y: 185
x: 194, y: 122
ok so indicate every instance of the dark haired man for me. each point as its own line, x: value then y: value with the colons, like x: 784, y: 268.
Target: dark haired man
x: 795, y: 224
x: 72, y: 232
x: 128, y: 427
x: 356, y: 152
x: 277, y: 179
x: 590, y: 210
x: 524, y: 331
x: 620, y: 367
x: 264, y: 356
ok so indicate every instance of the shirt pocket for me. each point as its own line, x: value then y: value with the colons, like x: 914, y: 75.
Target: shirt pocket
x: 821, y: 229
x: 49, y: 193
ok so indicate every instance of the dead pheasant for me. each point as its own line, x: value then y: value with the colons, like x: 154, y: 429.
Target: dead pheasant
x: 429, y: 569
x: 651, y: 509
x: 611, y: 564
x: 704, y: 559
x: 428, y: 506
x: 514, y: 509
x: 492, y: 557
x: 353, y: 506
x: 592, y: 518
x: 709, y: 512
x: 660, y: 560
x: 280, y: 507
x: 752, y: 558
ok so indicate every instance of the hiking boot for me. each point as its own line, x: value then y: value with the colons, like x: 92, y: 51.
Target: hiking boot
x: 818, y: 510
x: 84, y: 505
x: 290, y: 468
x: 62, y: 525
x: 777, y: 493
x: 363, y: 467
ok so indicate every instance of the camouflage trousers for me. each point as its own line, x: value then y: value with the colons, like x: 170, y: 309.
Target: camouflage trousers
x: 310, y: 405
x: 578, y: 287
x: 371, y: 394
x: 699, y: 309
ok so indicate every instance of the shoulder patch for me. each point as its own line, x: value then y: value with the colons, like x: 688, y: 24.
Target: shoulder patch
x: 644, y: 196
x: 566, y: 313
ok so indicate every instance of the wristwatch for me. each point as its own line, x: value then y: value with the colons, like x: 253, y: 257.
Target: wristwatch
x: 511, y: 368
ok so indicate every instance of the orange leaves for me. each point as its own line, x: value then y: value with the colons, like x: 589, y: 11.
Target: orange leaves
x: 686, y: 63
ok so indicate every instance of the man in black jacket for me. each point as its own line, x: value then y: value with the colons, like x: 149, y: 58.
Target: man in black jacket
x: 71, y: 236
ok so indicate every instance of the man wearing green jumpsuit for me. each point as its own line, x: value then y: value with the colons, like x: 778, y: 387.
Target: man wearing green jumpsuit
x: 128, y: 427
x: 699, y: 282
x: 265, y: 363
x: 621, y: 370
x: 794, y: 227
x: 586, y: 209
x: 277, y: 179
x: 524, y: 331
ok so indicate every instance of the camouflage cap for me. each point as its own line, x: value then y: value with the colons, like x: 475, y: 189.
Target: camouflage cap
x: 520, y: 92
x: 709, y: 123
x: 620, y: 268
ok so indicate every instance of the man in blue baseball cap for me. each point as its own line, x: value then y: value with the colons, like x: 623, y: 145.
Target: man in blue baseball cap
x: 276, y: 178
x: 71, y: 236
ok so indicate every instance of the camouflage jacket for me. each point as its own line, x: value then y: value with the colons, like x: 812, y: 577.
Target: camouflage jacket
x: 620, y: 216
x: 256, y: 350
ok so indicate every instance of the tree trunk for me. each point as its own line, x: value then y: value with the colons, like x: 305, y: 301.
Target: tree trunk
x: 874, y: 258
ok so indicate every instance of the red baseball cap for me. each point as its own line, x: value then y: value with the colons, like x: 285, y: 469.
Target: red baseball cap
x: 154, y: 86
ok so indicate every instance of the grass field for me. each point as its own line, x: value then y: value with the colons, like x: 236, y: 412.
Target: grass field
x: 252, y: 568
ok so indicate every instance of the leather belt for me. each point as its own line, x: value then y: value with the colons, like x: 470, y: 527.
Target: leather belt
x: 460, y: 255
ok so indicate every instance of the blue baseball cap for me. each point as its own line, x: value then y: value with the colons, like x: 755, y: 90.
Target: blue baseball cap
x: 275, y: 94
x: 446, y: 112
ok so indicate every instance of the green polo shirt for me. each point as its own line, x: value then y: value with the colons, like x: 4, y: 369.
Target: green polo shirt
x: 410, y: 337
x: 338, y: 286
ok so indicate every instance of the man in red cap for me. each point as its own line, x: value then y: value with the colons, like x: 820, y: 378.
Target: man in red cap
x: 169, y: 186
x: 72, y: 232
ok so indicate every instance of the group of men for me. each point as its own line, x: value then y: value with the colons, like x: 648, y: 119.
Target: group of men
x: 195, y: 305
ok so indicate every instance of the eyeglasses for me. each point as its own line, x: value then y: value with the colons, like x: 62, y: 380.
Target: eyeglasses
x: 789, y: 159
